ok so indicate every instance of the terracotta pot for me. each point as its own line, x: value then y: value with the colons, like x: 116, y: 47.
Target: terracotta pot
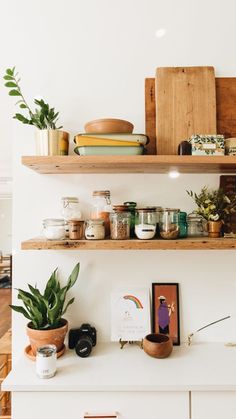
x: 158, y: 345
x: 214, y: 228
x: 51, y: 142
x: 46, y: 337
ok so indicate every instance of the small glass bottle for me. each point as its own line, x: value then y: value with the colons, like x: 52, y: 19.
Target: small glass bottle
x: 183, y: 227
x: 169, y: 223
x: 102, y: 208
x: 54, y: 228
x: 71, y: 208
x: 95, y: 229
x: 120, y: 225
x: 145, y: 223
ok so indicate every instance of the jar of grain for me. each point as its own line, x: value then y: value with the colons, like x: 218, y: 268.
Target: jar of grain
x: 95, y: 229
x: 169, y: 223
x: 120, y: 225
x: 76, y: 229
x: 102, y: 208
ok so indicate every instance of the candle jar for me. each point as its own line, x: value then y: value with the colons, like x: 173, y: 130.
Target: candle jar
x: 120, y: 225
x: 95, y: 229
x: 169, y: 223
x: 46, y: 358
x: 102, y: 208
x: 145, y: 223
x: 76, y: 229
x: 54, y: 229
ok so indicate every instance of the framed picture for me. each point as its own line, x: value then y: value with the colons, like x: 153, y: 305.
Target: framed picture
x: 165, y: 310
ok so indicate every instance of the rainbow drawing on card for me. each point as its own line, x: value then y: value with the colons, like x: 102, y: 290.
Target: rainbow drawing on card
x: 135, y: 300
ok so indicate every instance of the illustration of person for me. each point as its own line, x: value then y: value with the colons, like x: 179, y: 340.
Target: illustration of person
x: 164, y: 313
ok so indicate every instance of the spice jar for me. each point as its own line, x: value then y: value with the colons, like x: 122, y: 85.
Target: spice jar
x: 54, y: 229
x: 95, y: 229
x: 183, y: 228
x: 76, y: 229
x: 120, y: 225
x: 102, y: 208
x: 46, y: 359
x: 195, y: 225
x: 169, y: 223
x: 145, y: 223
x: 71, y: 208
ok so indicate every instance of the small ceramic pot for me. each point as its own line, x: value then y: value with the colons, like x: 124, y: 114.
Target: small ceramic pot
x: 214, y: 228
x: 158, y: 345
x: 47, y: 337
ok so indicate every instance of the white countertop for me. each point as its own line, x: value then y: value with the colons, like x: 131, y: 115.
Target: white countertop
x: 202, y: 367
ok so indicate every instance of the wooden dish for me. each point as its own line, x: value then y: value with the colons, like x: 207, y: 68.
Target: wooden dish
x: 29, y: 353
x: 108, y: 125
x: 158, y: 345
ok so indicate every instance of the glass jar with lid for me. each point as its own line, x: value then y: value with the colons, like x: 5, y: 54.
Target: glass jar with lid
x: 54, y: 228
x: 76, y: 229
x: 145, y: 223
x: 195, y: 225
x: 183, y: 227
x: 130, y: 207
x: 102, y: 208
x: 169, y: 223
x: 95, y: 229
x: 71, y: 208
x: 120, y: 225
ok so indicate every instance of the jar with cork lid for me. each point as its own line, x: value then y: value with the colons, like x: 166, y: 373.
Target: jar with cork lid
x: 101, y: 208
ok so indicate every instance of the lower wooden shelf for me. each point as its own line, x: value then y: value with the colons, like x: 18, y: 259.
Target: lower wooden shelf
x: 204, y: 243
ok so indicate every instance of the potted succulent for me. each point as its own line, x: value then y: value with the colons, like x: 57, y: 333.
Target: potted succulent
x: 46, y: 310
x: 50, y: 140
x: 215, y: 207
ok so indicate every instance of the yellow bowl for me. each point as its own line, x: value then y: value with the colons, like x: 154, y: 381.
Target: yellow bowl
x: 108, y: 125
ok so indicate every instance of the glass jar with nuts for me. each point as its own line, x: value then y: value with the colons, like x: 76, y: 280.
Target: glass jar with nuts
x: 169, y: 223
x: 120, y: 225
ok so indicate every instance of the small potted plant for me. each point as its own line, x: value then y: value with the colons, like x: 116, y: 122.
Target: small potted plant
x: 46, y: 310
x: 50, y: 140
x: 215, y: 207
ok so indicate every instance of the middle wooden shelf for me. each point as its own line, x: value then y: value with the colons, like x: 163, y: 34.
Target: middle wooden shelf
x: 202, y: 243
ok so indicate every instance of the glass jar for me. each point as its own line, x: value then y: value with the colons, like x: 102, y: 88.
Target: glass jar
x: 169, y: 223
x: 71, y: 208
x: 195, y: 225
x: 120, y: 225
x: 130, y: 207
x: 102, y: 208
x: 95, y: 229
x: 145, y: 223
x: 183, y: 227
x: 54, y: 229
x: 76, y: 229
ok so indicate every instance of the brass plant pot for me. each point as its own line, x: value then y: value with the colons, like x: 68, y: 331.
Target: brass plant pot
x: 214, y: 228
x: 51, y: 142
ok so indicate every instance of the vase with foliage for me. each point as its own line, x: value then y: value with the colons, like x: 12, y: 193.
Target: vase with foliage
x: 50, y: 140
x: 215, y: 206
x: 45, y: 311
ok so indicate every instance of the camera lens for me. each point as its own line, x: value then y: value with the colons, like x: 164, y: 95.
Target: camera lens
x: 84, y: 346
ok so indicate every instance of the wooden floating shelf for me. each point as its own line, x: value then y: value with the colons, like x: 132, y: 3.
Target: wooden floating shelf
x: 205, y: 243
x: 130, y: 164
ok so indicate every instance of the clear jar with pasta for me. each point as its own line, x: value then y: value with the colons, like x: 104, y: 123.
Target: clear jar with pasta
x: 169, y: 223
x: 120, y: 225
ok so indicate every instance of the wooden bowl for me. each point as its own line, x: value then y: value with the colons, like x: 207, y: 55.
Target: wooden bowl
x: 109, y: 125
x: 158, y: 345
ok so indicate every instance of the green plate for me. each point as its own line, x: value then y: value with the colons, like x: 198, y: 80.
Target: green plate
x: 108, y: 151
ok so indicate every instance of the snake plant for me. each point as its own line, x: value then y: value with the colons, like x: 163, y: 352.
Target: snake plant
x: 45, y: 310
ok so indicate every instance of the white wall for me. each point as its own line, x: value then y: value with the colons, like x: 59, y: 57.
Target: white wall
x: 6, y: 226
x: 89, y: 59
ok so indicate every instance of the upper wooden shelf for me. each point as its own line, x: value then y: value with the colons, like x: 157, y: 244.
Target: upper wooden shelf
x: 203, y: 243
x: 130, y: 164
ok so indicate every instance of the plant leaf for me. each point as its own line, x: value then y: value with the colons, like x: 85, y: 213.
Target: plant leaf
x: 21, y: 310
x: 6, y: 77
x: 10, y: 71
x: 73, y: 276
x: 68, y: 304
x: 14, y: 93
x: 23, y: 106
x: 11, y: 84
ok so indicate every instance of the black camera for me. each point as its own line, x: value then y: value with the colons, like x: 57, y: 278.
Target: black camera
x: 82, y: 339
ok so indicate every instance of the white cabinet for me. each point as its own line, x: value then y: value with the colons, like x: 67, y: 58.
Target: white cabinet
x: 128, y: 405
x: 213, y: 405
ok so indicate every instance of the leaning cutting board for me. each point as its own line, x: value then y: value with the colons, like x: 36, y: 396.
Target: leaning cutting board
x: 185, y: 105
x: 226, y: 106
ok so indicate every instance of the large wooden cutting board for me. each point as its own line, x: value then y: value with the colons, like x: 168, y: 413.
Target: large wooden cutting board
x: 226, y: 106
x: 185, y: 105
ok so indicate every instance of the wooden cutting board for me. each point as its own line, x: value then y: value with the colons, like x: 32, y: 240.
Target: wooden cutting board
x: 225, y: 109
x: 185, y: 105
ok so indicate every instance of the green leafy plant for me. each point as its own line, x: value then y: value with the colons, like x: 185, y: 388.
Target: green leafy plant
x: 45, y: 310
x: 43, y: 117
x: 213, y: 204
